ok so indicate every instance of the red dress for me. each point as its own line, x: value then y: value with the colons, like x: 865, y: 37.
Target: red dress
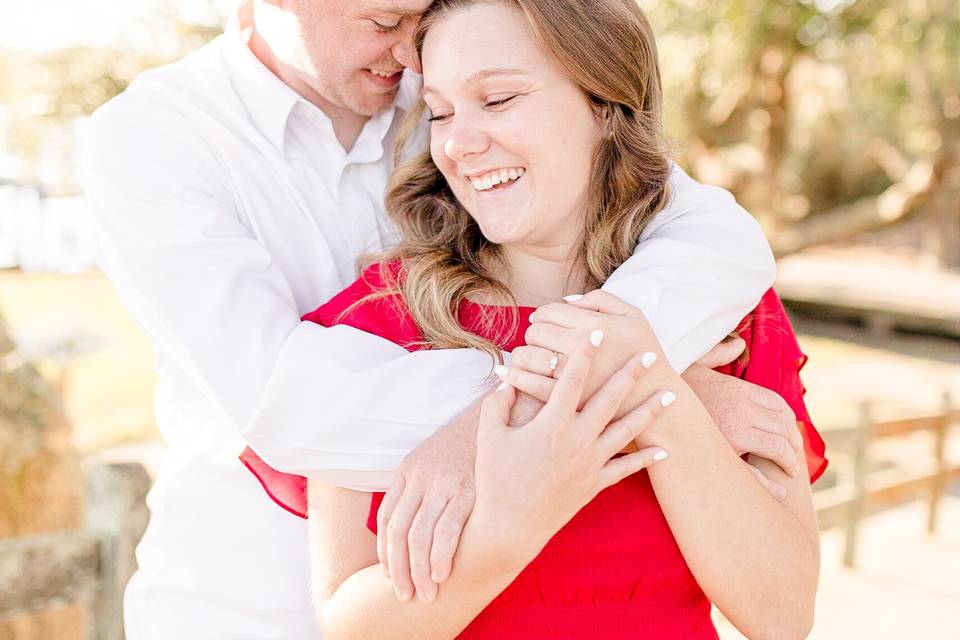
x: 614, y: 572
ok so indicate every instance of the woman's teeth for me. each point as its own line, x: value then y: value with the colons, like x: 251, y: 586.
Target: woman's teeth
x: 494, y: 178
x: 382, y: 74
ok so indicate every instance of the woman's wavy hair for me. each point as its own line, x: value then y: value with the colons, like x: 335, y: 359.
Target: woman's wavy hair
x: 607, y: 48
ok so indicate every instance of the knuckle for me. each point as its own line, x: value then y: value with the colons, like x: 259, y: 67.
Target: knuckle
x: 417, y: 538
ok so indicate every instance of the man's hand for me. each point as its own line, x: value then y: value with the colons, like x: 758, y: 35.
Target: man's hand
x: 753, y: 419
x: 424, y: 510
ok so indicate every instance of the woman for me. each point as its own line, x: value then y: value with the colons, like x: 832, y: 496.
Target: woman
x: 546, y: 160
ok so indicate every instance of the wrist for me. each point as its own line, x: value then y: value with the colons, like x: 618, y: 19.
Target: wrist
x: 489, y: 552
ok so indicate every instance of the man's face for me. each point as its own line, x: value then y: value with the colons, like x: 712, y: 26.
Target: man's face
x: 355, y: 50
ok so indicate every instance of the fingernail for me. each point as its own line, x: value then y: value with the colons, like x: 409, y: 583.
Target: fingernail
x: 402, y: 594
x: 503, y: 385
x: 532, y: 317
x: 667, y: 398
x: 648, y: 359
x: 596, y: 337
x: 501, y: 371
x: 796, y: 470
x: 573, y: 298
x: 660, y: 455
x: 780, y: 492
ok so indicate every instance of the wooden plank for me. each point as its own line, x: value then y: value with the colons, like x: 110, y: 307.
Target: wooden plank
x: 116, y: 510
x: 832, y: 505
x: 48, y: 570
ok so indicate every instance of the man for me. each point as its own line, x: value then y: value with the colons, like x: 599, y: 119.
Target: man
x: 234, y: 190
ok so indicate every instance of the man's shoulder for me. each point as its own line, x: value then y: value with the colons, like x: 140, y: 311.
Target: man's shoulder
x: 167, y: 93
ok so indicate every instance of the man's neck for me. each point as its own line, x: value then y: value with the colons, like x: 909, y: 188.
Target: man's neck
x: 347, y: 125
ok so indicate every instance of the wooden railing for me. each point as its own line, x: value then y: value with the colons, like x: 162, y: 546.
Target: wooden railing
x: 91, y: 566
x: 865, y: 489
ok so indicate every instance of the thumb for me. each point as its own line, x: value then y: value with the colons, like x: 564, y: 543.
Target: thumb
x: 724, y: 353
x: 495, y: 410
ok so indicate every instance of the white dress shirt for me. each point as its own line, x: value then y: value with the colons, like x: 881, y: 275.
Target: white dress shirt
x: 226, y: 208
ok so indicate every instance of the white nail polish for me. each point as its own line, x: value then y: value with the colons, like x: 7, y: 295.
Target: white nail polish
x: 667, y: 398
x: 573, y: 298
x: 503, y: 385
x: 501, y: 371
x: 596, y: 337
x: 648, y: 359
x: 660, y: 455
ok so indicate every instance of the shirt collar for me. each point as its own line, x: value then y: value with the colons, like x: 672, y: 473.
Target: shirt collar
x: 267, y: 98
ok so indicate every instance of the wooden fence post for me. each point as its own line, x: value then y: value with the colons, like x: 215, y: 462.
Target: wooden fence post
x: 860, y: 463
x: 938, y: 484
x: 116, y: 512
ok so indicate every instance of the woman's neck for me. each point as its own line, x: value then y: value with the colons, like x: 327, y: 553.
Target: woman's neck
x: 538, y: 276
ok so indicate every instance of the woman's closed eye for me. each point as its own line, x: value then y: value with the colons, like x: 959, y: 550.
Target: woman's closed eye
x: 500, y: 101
x: 490, y: 104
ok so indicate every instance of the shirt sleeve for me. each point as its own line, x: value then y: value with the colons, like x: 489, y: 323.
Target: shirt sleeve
x: 701, y: 265
x: 210, y: 296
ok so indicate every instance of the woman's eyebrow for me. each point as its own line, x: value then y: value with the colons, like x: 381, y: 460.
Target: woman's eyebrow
x: 479, y: 76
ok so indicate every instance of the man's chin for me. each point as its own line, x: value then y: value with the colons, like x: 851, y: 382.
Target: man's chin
x: 373, y: 103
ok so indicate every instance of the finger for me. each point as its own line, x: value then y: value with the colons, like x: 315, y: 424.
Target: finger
x: 446, y: 536
x: 723, y: 354
x: 625, y: 430
x: 538, y: 386
x: 553, y: 337
x: 420, y: 543
x: 568, y: 316
x: 603, y: 302
x: 390, y: 500
x: 495, y: 410
x: 536, y: 360
x: 773, y: 447
x: 398, y: 555
x: 778, y: 491
x: 568, y: 391
x: 782, y: 423
x: 606, y: 402
x: 619, y: 468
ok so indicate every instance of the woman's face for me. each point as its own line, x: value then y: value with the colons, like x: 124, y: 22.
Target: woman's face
x: 513, y: 136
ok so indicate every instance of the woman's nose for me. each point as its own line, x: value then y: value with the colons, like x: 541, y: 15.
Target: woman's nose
x: 465, y: 140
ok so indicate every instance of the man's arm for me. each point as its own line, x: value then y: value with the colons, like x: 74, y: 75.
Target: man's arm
x: 701, y: 265
x: 213, y: 300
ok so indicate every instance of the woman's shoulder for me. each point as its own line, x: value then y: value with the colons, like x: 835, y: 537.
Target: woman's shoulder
x: 372, y: 303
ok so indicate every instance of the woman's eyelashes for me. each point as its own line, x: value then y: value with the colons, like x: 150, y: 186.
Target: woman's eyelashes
x: 490, y: 104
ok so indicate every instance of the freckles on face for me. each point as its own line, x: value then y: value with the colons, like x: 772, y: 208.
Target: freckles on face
x: 513, y: 135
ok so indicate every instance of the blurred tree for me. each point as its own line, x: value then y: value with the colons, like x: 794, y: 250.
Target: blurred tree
x: 827, y: 118
x: 45, y: 95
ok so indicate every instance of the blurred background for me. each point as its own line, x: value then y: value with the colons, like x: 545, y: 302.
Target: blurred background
x: 835, y: 122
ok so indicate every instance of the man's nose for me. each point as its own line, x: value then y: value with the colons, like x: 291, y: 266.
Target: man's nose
x: 404, y: 51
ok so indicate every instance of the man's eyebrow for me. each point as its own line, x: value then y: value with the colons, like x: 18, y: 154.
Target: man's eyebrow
x: 480, y: 76
x: 397, y: 9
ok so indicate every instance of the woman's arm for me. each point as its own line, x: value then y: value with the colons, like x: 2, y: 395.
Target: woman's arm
x: 353, y: 597
x: 756, y: 558
x: 530, y: 482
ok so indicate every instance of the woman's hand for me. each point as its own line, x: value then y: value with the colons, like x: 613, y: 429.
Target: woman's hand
x: 754, y: 420
x: 557, y: 328
x: 531, y: 480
